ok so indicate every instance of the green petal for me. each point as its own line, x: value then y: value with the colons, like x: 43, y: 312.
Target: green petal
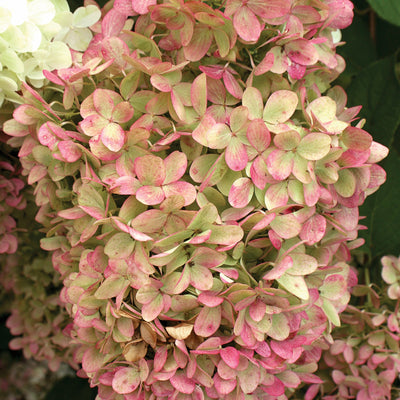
x: 86, y: 16
x: 41, y: 12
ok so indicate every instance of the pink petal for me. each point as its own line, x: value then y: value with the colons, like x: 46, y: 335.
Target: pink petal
x: 266, y: 220
x: 151, y: 310
x: 113, y: 137
x: 122, y: 112
x: 348, y: 218
x: 199, y: 44
x: 236, y: 155
x: 142, y: 6
x: 150, y: 195
x: 124, y: 7
x: 301, y: 51
x: 139, y: 236
x: 93, y: 124
x: 182, y: 383
x: 340, y: 13
x: 224, y: 386
x: 378, y: 152
x: 184, y: 189
x: 125, y: 185
x: 265, y: 65
x: 175, y: 166
x: 160, y: 358
x: 207, y: 257
x: 353, y: 158
x: 14, y: 128
x: 178, y: 105
x: 201, y: 277
x: 200, y: 132
x: 150, y: 170
x: 218, y: 136
x: 126, y: 380
x: 378, y: 176
x: 286, y: 226
x: 209, y: 299
x: 52, y: 77
x: 280, y: 164
x: 296, y: 71
x: 69, y: 150
x: 312, y: 192
x: 271, y: 9
x: 241, y: 193
x: 247, y: 24
x: 356, y: 139
x: 280, y: 106
x: 46, y: 136
x: 276, y: 195
x: 92, y: 360
x: 313, y: 229
x: 212, y: 71
x: 26, y: 114
x: 161, y: 83
x: 258, y: 135
x: 259, y: 173
x: 94, y: 212
x: 208, y: 321
x: 36, y: 174
x: 113, y: 23
x: 103, y: 102
x: 230, y: 356
x: 232, y: 85
x: 257, y: 310
x: 279, y: 269
x: 114, y: 50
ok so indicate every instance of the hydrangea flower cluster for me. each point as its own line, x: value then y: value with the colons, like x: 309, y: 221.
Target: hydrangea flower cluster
x: 38, y: 318
x: 11, y: 199
x: 198, y: 181
x: 37, y: 35
x: 363, y: 361
x: 391, y: 275
x: 26, y: 379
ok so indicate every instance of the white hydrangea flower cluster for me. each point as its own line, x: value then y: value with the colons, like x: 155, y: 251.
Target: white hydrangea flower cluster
x: 37, y: 35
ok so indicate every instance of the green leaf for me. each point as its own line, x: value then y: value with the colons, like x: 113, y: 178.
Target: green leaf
x: 359, y: 50
x: 383, y: 216
x: 387, y: 9
x: 378, y: 90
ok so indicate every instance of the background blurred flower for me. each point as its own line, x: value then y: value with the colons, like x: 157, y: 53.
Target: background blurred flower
x: 37, y: 35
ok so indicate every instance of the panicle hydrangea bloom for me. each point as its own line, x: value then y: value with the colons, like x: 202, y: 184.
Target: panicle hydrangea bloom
x: 391, y: 275
x: 37, y: 35
x: 37, y: 318
x: 362, y: 358
x: 11, y: 199
x: 27, y: 379
x: 199, y: 191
